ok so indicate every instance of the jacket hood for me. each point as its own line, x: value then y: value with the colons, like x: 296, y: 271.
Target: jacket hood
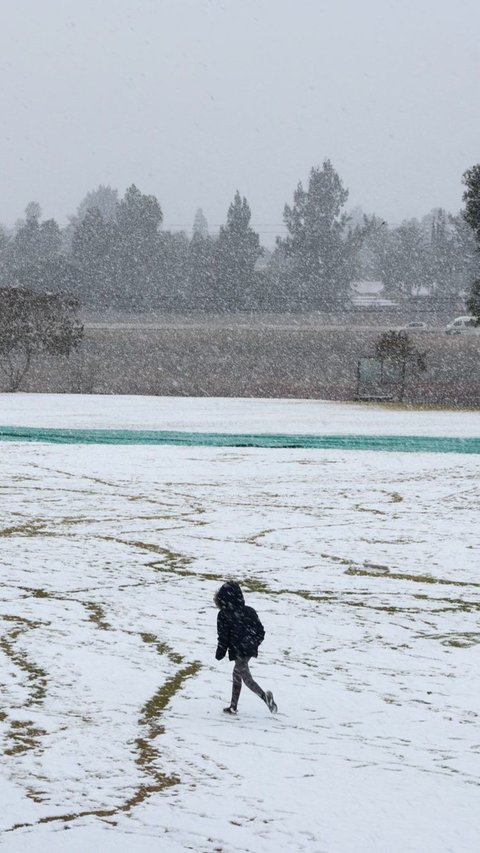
x: 229, y: 595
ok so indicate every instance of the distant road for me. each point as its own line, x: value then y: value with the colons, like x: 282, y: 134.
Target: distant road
x: 258, y: 325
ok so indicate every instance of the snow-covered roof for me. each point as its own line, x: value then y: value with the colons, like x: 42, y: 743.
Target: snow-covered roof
x: 367, y: 287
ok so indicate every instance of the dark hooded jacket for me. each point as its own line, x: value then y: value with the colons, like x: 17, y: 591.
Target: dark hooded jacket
x: 239, y: 629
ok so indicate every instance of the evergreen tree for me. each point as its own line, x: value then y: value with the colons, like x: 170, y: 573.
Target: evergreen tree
x: 33, y: 257
x: 50, y: 240
x: 452, y: 254
x: 104, y: 199
x: 34, y: 240
x: 3, y: 239
x: 4, y: 269
x: 321, y: 244
x: 473, y: 302
x: 171, y: 273
x: 201, y: 265
x: 375, y: 252
x: 94, y: 252
x: 409, y: 260
x: 52, y: 275
x: 138, y: 247
x: 237, y: 251
x: 278, y: 290
x: 201, y: 272
x: 436, y: 254
x: 200, y: 224
x: 471, y: 197
x: 24, y: 248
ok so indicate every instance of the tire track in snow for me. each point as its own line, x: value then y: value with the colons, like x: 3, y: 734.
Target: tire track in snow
x: 148, y: 755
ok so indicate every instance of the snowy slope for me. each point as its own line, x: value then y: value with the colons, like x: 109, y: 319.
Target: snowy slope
x: 230, y: 414
x: 364, y: 569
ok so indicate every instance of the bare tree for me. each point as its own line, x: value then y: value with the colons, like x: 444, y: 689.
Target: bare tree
x: 398, y: 349
x: 32, y: 324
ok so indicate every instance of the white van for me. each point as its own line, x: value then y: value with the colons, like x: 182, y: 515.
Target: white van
x: 463, y: 326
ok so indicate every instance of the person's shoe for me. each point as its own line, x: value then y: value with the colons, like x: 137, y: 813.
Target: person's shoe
x: 229, y: 710
x: 271, y: 704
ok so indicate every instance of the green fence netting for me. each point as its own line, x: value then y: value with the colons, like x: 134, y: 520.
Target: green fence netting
x: 404, y: 443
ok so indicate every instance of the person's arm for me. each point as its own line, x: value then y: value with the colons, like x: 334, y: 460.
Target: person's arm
x: 223, y: 636
x: 260, y: 631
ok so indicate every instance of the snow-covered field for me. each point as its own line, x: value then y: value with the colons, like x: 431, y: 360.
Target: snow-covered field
x: 364, y: 569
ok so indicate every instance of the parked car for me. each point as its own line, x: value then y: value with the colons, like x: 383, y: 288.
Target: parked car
x: 415, y: 326
x: 463, y: 326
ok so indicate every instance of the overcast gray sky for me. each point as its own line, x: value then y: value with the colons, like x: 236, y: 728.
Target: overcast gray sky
x: 192, y: 99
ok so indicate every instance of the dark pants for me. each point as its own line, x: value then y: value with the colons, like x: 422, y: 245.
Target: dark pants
x: 241, y: 672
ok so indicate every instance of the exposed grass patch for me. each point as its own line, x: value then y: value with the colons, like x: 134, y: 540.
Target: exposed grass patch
x: 153, y: 708
x: 458, y: 603
x: 171, y: 558
x: 253, y: 540
x: 147, y: 756
x: 96, y: 615
x: 374, y: 568
x: 184, y: 573
x: 421, y: 407
x: 95, y: 610
x: 22, y: 620
x: 65, y: 818
x: 35, y: 675
x: 162, y: 648
x: 343, y: 560
x: 255, y: 585
x: 24, y: 736
x: 37, y: 592
x: 40, y: 593
x: 373, y: 571
x: 459, y: 640
x: 37, y: 796
x: 27, y: 529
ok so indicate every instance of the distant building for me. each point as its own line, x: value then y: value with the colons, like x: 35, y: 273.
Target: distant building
x: 370, y: 294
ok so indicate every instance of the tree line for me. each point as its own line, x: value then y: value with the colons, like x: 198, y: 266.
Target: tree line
x: 115, y: 254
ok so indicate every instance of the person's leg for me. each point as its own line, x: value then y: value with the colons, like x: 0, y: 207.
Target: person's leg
x: 241, y: 672
x: 236, y: 685
x: 241, y: 665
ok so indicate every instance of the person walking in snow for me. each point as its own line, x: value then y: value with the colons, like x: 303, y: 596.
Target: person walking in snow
x: 240, y: 632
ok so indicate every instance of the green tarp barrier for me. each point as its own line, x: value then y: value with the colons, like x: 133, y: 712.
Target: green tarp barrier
x: 404, y: 443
